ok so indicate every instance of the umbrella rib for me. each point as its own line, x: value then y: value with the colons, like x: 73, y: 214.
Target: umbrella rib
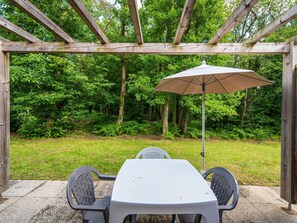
x: 219, y: 81
x: 266, y: 81
x: 165, y: 83
x: 241, y: 75
x: 188, y: 86
x: 212, y: 77
x: 222, y: 78
x: 200, y: 83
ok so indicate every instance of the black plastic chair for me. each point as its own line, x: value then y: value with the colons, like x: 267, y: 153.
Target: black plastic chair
x: 81, y: 186
x: 224, y: 185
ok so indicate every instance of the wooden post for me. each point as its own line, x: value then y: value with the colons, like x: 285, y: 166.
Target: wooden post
x: 289, y: 127
x: 4, y: 120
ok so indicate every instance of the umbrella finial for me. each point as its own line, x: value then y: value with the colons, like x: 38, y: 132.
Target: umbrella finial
x: 203, y: 62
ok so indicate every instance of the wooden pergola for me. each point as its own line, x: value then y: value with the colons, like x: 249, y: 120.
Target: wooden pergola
x: 213, y: 47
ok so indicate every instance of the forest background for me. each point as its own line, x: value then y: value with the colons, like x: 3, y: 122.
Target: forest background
x: 56, y: 95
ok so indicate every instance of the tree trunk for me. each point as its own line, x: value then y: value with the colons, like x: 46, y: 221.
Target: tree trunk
x: 123, y: 93
x: 183, y: 121
x: 149, y: 115
x: 165, y: 117
x: 244, y: 106
x: 174, y: 99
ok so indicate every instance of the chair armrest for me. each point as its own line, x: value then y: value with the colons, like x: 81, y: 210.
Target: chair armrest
x: 99, y: 205
x: 107, y: 177
x: 88, y: 207
x: 226, y: 207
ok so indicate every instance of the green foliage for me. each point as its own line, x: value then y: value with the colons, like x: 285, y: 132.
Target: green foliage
x: 169, y: 136
x: 128, y: 128
x: 52, y: 95
x: 35, y: 128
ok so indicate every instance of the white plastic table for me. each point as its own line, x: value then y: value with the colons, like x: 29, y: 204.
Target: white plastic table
x: 161, y: 186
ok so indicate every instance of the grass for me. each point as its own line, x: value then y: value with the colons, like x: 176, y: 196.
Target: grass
x: 253, y: 163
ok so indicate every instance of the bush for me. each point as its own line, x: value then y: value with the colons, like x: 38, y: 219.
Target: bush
x: 32, y: 127
x: 129, y: 128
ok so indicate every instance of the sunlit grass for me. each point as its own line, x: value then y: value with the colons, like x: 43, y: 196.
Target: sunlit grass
x: 253, y: 163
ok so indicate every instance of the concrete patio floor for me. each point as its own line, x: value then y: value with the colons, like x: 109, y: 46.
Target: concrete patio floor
x: 45, y: 201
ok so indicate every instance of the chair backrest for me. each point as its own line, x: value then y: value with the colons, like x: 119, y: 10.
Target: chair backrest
x: 81, y: 185
x: 223, y: 184
x: 152, y: 153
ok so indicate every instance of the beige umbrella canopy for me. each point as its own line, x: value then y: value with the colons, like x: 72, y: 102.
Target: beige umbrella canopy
x: 207, y: 79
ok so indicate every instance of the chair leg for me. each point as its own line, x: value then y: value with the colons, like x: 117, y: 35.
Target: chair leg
x: 198, y: 218
x: 132, y: 218
x: 221, y: 216
x: 106, y: 215
x: 173, y: 218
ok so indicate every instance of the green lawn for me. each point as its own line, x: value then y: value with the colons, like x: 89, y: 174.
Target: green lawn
x: 253, y: 163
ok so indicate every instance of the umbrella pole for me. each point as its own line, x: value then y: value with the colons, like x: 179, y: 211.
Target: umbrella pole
x: 203, y: 127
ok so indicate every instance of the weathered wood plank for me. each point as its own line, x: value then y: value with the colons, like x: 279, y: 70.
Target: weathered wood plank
x: 4, y: 120
x: 136, y: 20
x: 184, y: 20
x: 243, y: 8
x: 294, y: 38
x: 3, y: 39
x: 274, y: 25
x: 30, y: 9
x: 4, y: 23
x: 86, y: 16
x: 148, y: 48
x: 289, y: 130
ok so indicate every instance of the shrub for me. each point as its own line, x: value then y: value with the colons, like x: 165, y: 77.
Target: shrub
x: 32, y: 127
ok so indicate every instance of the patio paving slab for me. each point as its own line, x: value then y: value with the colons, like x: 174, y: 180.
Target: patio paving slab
x: 45, y: 202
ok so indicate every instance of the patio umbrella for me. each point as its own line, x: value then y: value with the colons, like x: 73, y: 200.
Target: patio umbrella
x: 206, y: 79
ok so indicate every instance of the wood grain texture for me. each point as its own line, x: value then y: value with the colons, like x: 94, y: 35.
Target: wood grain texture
x: 243, y: 9
x: 289, y: 130
x: 27, y: 7
x: 4, y: 121
x: 148, y: 48
x: 136, y: 20
x: 271, y: 27
x: 184, y: 20
x: 86, y: 16
x: 4, y: 23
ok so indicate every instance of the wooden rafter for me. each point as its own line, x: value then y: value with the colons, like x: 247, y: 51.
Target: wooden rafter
x: 271, y: 27
x: 136, y: 20
x: 244, y: 7
x: 27, y: 7
x: 4, y: 23
x: 3, y: 39
x: 184, y: 20
x: 147, y: 48
x: 86, y: 16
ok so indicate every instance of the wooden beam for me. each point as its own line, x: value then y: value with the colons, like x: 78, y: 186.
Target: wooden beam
x: 86, y: 16
x: 136, y: 20
x: 27, y: 7
x: 294, y: 38
x: 4, y: 120
x: 244, y: 7
x: 184, y: 20
x: 4, y: 23
x: 280, y: 21
x: 148, y: 48
x: 3, y: 39
x: 289, y: 127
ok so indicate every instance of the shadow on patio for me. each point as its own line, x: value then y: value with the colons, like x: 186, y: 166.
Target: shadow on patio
x: 45, y: 201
